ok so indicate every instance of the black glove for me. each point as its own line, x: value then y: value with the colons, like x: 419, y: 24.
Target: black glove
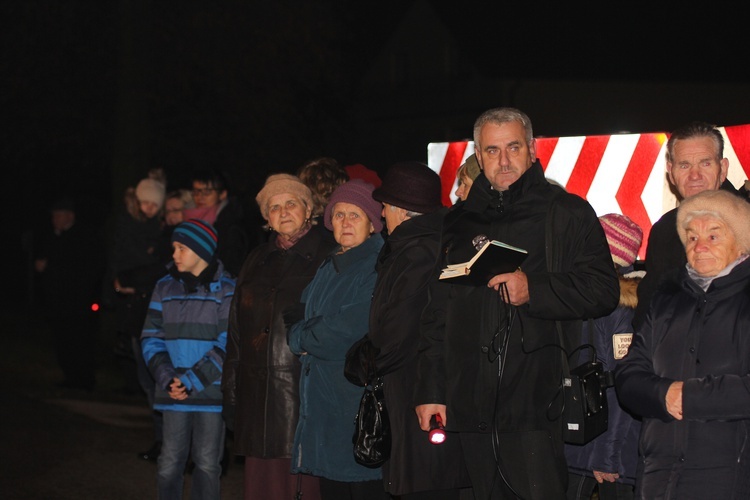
x: 227, y: 412
x: 360, y: 367
x: 293, y: 314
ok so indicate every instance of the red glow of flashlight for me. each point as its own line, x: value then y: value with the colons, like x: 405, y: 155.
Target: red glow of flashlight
x: 94, y: 307
x: 437, y: 430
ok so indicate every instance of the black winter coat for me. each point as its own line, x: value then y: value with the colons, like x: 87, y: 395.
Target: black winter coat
x: 405, y: 267
x: 71, y: 282
x: 464, y: 327
x: 700, y: 338
x: 233, y: 239
x: 261, y: 375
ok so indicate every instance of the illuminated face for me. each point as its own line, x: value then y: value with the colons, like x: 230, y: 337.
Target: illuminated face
x: 206, y: 196
x: 695, y: 167
x: 504, y: 154
x: 287, y: 214
x: 351, y: 226
x: 149, y: 208
x: 186, y: 260
x: 173, y: 211
x: 464, y: 185
x: 710, y: 246
x: 393, y: 215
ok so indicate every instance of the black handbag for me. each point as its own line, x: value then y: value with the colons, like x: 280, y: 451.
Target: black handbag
x: 372, y: 429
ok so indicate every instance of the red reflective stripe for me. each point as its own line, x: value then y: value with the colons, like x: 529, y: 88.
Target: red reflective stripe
x: 634, y: 182
x: 453, y: 157
x: 544, y: 149
x: 739, y: 136
x: 587, y: 164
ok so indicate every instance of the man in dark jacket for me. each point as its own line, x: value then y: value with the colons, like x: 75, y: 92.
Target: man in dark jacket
x: 490, y: 363
x: 410, y: 194
x: 69, y: 266
x: 695, y: 163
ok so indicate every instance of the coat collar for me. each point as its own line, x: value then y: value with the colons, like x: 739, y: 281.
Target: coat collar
x: 483, y: 196
x: 353, y: 256
x: 721, y: 287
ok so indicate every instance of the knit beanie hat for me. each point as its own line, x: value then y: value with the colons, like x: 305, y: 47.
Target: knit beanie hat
x: 471, y: 167
x: 411, y: 185
x: 624, y: 237
x: 198, y: 235
x: 279, y: 184
x: 730, y: 208
x: 359, y: 193
x: 151, y: 190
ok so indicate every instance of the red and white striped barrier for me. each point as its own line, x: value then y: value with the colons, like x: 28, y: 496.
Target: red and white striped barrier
x: 623, y: 173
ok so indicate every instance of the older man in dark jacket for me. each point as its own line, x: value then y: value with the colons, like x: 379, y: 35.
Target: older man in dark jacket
x: 695, y: 163
x: 413, y: 212
x: 490, y: 361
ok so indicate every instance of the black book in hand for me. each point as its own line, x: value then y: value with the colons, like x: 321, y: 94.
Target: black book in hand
x: 494, y: 258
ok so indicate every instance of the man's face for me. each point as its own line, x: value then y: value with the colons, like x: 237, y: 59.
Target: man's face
x: 504, y: 154
x: 695, y: 167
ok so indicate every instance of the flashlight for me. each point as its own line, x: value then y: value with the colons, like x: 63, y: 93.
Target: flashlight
x: 437, y: 430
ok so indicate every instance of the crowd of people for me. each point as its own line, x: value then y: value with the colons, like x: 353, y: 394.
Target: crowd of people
x: 267, y: 335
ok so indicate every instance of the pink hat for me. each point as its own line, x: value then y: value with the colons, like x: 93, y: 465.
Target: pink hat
x: 624, y: 237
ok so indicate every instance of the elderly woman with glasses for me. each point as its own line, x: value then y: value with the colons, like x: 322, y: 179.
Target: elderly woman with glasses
x: 687, y: 372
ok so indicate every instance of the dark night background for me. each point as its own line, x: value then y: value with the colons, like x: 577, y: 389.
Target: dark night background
x: 94, y: 93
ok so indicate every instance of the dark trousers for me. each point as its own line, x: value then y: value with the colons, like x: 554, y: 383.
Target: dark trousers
x: 74, y: 339
x: 525, y: 465
x: 148, y: 385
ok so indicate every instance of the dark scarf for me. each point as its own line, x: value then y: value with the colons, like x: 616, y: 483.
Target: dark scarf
x: 191, y: 281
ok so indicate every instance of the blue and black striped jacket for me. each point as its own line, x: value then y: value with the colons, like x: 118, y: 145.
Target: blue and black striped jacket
x: 185, y: 336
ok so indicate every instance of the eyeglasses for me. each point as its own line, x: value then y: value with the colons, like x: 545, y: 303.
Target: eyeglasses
x: 203, y: 192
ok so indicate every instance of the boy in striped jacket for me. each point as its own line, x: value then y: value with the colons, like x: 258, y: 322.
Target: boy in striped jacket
x: 184, y: 344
